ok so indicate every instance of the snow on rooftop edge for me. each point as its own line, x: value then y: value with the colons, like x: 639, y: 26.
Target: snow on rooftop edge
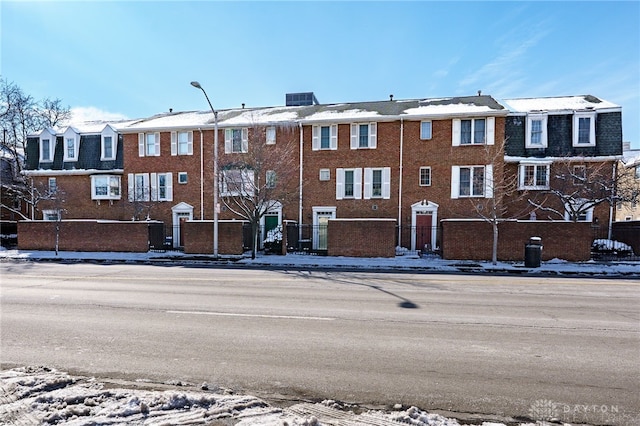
x: 557, y: 103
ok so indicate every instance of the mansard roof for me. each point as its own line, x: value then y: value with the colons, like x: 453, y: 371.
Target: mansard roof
x: 560, y: 104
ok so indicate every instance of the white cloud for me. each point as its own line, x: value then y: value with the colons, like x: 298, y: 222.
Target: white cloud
x: 84, y: 114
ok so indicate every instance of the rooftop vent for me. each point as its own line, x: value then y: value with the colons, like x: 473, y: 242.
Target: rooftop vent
x: 301, y: 99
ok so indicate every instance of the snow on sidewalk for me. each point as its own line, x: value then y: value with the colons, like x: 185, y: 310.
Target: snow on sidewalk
x: 40, y: 395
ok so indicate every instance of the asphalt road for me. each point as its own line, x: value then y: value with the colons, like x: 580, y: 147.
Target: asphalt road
x: 502, y: 345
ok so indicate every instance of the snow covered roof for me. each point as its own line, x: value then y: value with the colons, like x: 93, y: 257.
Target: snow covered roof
x: 336, y: 113
x: 631, y: 157
x: 558, y: 104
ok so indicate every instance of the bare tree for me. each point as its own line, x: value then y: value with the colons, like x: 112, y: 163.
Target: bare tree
x: 259, y: 176
x: 501, y: 190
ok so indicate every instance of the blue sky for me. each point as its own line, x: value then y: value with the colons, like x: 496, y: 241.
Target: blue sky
x: 136, y: 59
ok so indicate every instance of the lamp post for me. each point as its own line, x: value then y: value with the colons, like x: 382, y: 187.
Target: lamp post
x: 215, y: 169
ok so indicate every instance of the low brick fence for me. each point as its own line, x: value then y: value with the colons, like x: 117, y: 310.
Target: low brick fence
x: 473, y: 239
x: 198, y: 237
x: 361, y: 237
x: 85, y: 235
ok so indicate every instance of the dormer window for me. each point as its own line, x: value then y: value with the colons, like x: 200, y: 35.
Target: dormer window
x: 71, y: 145
x: 47, y: 146
x: 536, y: 131
x: 108, y: 145
x: 584, y: 129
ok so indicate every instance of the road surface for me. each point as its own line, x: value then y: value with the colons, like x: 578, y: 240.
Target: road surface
x: 495, y: 345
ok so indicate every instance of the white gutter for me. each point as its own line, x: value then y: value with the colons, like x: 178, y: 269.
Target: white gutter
x: 613, y: 194
x: 400, y: 183
x: 300, y: 185
x: 78, y: 172
x: 201, y: 175
x: 546, y: 160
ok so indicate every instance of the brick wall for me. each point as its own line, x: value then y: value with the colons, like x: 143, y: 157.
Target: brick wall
x: 84, y: 235
x: 198, y: 237
x: 361, y: 237
x: 473, y: 239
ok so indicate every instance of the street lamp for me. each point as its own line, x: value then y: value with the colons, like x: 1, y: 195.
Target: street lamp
x: 215, y: 170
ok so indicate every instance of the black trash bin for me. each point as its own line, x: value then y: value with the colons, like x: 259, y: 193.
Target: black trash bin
x: 533, y: 252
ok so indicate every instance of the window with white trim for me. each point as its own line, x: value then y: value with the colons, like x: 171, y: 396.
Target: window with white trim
x: 536, y: 136
x: 71, y: 145
x: 182, y: 177
x: 270, y: 135
x: 108, y: 139
x: 637, y: 172
x: 105, y: 187
x: 149, y: 144
x: 46, y: 149
x: 363, y: 135
x: 425, y: 130
x: 324, y: 137
x: 325, y: 174
x: 236, y: 140
x: 182, y: 143
x: 53, y: 185
x: 579, y: 174
x: 425, y: 176
x: 139, y: 188
x: 51, y: 215
x: 533, y: 176
x: 472, y: 181
x: 161, y: 186
x: 577, y: 207
x: 584, y: 129
x: 377, y: 182
x: 473, y: 131
x: 237, y: 182
x: 348, y: 183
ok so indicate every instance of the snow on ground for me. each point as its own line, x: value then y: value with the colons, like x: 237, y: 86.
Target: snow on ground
x: 39, y: 395
x: 406, y: 262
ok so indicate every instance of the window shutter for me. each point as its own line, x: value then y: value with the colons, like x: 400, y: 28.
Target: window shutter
x: 339, y: 184
x: 455, y: 141
x: 140, y: 144
x: 386, y: 183
x: 245, y: 140
x: 354, y: 136
x: 491, y: 130
x: 169, y: 186
x: 334, y: 136
x: 315, y: 138
x: 174, y: 143
x: 488, y: 181
x: 368, y: 182
x: 455, y: 181
x: 190, y: 143
x: 156, y: 136
x: 154, y: 187
x: 357, y: 184
x: 228, y: 140
x: 130, y: 186
x: 373, y: 127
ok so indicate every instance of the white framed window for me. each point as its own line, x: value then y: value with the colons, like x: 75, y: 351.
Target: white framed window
x: 577, y: 205
x: 536, y: 131
x: 473, y: 131
x: 533, y: 176
x: 324, y: 137
x: 182, y: 143
x: 51, y: 215
x: 236, y: 140
x: 149, y: 144
x: 270, y: 135
x: 377, y: 183
x: 237, y: 182
x: 71, y: 145
x: 108, y: 146
x: 105, y: 187
x: 348, y: 183
x: 271, y: 179
x: 584, y: 129
x: 637, y: 172
x: 325, y: 174
x: 47, y: 146
x: 425, y: 176
x: 53, y: 185
x: 472, y: 181
x: 183, y: 177
x: 161, y: 187
x: 425, y: 130
x: 138, y: 187
x: 363, y: 135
